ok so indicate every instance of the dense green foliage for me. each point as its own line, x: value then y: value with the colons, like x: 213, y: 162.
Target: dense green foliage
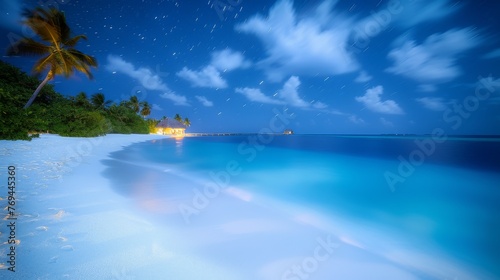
x: 52, y: 112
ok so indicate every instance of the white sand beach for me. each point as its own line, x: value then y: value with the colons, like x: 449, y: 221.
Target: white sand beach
x: 72, y: 224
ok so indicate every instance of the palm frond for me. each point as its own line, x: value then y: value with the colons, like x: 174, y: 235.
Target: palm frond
x: 59, y: 20
x: 85, y: 58
x: 43, y: 63
x: 61, y: 63
x: 28, y: 46
x: 79, y: 61
x: 42, y: 23
x: 73, y: 41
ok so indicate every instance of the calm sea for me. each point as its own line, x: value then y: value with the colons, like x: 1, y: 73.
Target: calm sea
x: 443, y: 193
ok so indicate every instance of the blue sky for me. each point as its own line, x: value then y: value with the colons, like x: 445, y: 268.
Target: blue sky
x: 401, y: 66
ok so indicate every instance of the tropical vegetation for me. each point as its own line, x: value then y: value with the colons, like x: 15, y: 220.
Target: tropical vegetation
x: 45, y: 110
x: 184, y: 121
x: 54, y: 113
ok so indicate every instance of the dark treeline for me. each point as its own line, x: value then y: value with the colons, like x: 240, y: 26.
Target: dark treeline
x: 77, y: 116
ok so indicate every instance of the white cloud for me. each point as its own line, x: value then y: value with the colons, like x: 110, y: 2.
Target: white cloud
x: 363, y: 77
x: 433, y: 61
x: 386, y: 122
x: 203, y: 100
x: 228, y: 60
x: 177, y: 99
x: 209, y: 76
x: 319, y: 105
x: 355, y: 119
x: 372, y: 101
x: 312, y: 44
x: 157, y: 107
x: 427, y: 88
x: 493, y: 54
x: 416, y: 12
x: 290, y: 94
x: 432, y: 103
x: 255, y: 95
x: 145, y: 77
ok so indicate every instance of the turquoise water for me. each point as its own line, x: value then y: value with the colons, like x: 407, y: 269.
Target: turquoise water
x: 434, y: 195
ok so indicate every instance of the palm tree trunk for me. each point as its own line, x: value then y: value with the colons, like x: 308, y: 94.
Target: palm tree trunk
x: 44, y: 82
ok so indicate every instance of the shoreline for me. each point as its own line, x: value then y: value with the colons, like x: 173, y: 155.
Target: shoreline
x: 58, y: 193
x: 72, y: 223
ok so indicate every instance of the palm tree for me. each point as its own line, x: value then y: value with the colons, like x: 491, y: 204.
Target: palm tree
x: 99, y: 101
x: 59, y: 55
x: 187, y: 122
x: 81, y: 100
x: 134, y: 103
x: 178, y: 118
x: 146, y: 109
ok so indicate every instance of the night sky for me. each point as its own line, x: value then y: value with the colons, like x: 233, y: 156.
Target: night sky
x: 352, y: 66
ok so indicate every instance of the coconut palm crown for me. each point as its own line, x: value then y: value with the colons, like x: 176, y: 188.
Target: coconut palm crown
x: 187, y: 122
x: 59, y: 57
x: 99, y: 101
x: 146, y: 109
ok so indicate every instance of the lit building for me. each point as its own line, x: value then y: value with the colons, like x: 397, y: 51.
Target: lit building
x: 170, y: 127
